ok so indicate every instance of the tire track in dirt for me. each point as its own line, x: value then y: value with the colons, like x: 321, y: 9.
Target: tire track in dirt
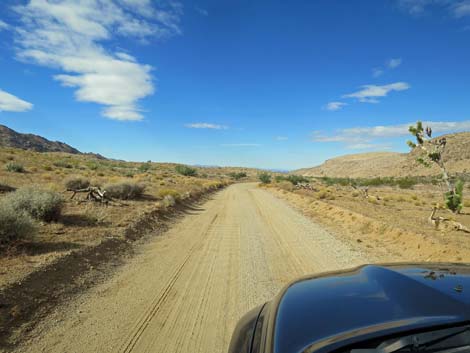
x: 159, y: 299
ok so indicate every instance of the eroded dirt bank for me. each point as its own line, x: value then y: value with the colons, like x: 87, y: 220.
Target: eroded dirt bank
x: 187, y: 289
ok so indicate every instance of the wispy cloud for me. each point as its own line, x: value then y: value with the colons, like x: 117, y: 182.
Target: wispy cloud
x: 370, y: 93
x: 11, y: 103
x: 4, y: 25
x: 368, y: 146
x: 68, y: 35
x: 389, y: 65
x: 240, y: 145
x: 206, y: 126
x: 281, y: 138
x: 459, y: 8
x: 202, y: 11
x: 334, y: 106
x: 372, y: 137
x: 394, y: 63
x: 377, y: 72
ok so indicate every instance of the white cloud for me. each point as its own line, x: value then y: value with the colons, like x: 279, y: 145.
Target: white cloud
x: 11, y: 103
x: 370, y: 93
x: 394, y: 63
x: 459, y: 8
x: 68, y: 35
x: 206, y: 126
x: 281, y: 138
x: 4, y: 25
x: 368, y: 146
x: 365, y: 137
x: 240, y: 145
x: 415, y: 7
x: 377, y: 72
x: 333, y: 106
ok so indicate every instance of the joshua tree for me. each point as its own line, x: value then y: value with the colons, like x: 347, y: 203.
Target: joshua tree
x: 432, y: 153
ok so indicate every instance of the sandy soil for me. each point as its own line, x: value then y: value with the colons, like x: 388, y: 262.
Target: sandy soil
x: 186, y: 290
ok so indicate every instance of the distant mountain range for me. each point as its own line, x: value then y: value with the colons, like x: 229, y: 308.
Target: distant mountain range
x: 393, y: 164
x: 11, y: 138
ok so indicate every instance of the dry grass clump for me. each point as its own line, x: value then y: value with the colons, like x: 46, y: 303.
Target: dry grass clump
x: 285, y: 185
x: 43, y: 205
x: 168, y: 192
x: 326, y: 194
x: 125, y: 190
x: 14, y: 167
x: 15, y: 225
x: 76, y: 182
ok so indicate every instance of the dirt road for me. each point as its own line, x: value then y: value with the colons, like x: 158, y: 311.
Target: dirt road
x: 187, y: 289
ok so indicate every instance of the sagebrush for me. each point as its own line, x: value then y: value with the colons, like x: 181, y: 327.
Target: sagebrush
x: 14, y: 167
x: 125, y: 190
x: 185, y: 170
x: 15, y: 225
x: 76, y: 183
x: 43, y: 205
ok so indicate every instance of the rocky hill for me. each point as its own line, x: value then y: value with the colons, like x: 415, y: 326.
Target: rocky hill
x: 11, y: 138
x: 393, y: 164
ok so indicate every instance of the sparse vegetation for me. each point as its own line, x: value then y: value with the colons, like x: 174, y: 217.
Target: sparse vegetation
x: 432, y: 150
x: 63, y: 164
x: 185, y: 170
x: 40, y: 204
x: 145, y: 167
x: 76, y: 183
x: 165, y: 192
x: 264, y: 177
x: 14, y: 225
x: 293, y: 179
x: 237, y: 175
x: 125, y: 190
x: 14, y: 167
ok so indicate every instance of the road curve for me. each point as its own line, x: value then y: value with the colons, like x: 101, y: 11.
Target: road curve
x: 187, y: 289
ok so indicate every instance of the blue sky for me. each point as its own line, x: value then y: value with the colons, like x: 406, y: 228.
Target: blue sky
x: 270, y: 84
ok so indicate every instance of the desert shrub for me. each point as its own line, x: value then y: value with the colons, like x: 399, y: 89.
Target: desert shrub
x: 63, y: 164
x: 93, y: 166
x: 414, y: 197
x: 237, y: 176
x: 14, y: 167
x: 43, y: 205
x: 406, y: 183
x: 129, y: 174
x: 296, y: 179
x: 355, y: 193
x: 185, y: 170
x: 168, y: 192
x: 285, y: 185
x: 145, y: 167
x: 168, y: 201
x: 454, y: 199
x: 76, y: 183
x: 125, y: 190
x: 264, y: 177
x: 14, y: 225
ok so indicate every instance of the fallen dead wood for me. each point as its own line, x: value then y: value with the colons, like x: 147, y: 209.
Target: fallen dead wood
x: 94, y: 193
x: 437, y: 221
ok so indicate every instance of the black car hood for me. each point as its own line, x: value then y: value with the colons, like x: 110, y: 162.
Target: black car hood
x: 323, y: 313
